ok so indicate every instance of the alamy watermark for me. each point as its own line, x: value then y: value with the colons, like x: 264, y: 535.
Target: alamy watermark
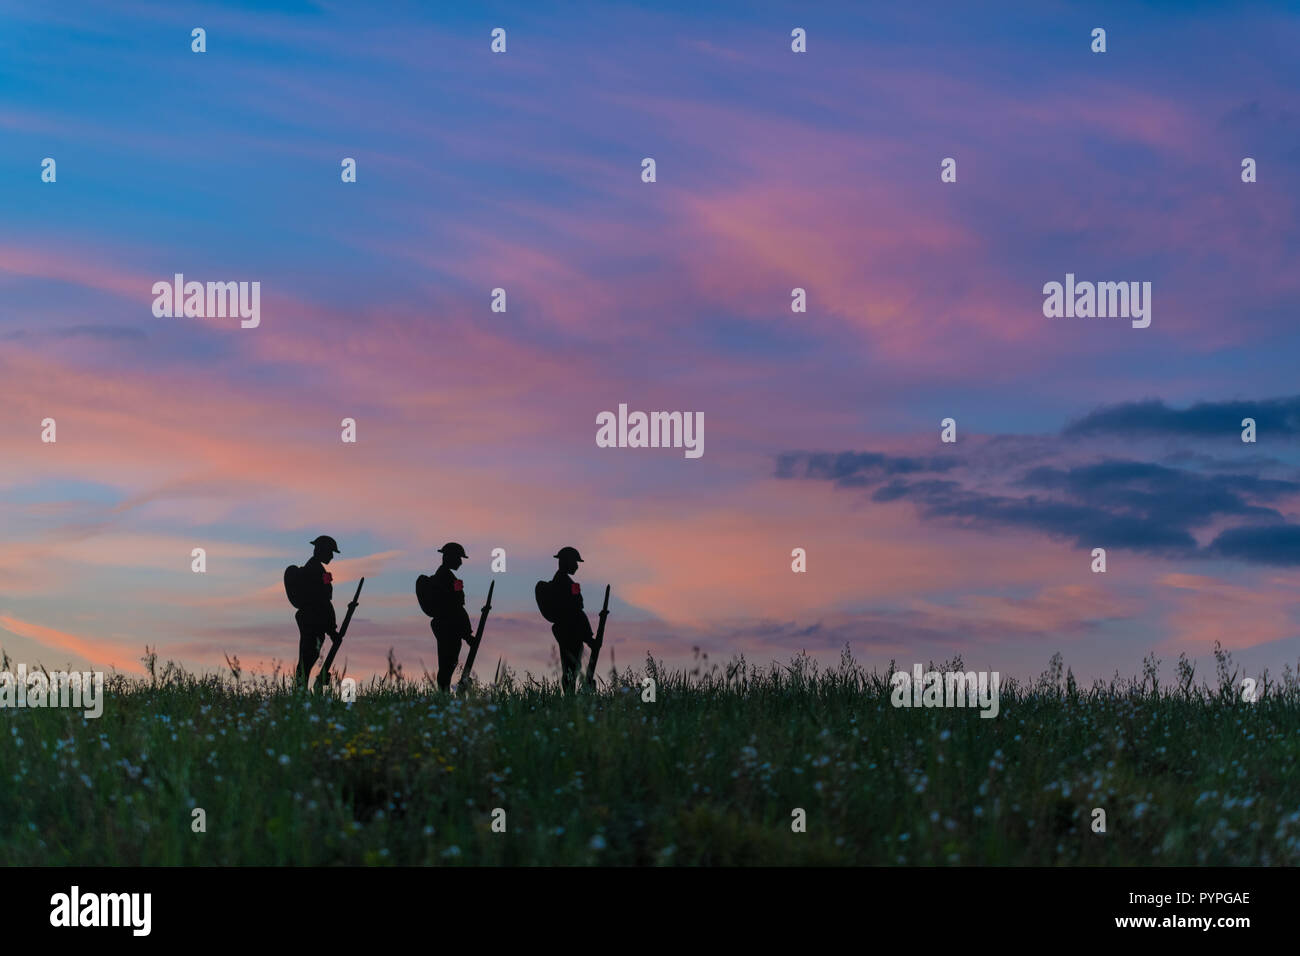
x: 215, y: 300
x: 652, y: 430
x: 75, y: 689
x: 133, y: 910
x: 1084, y: 300
x: 946, y: 689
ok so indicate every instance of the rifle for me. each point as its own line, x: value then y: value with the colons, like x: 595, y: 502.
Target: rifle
x: 323, y: 677
x: 478, y: 636
x: 595, y: 647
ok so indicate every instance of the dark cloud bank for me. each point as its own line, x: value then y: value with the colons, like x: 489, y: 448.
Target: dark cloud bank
x: 1112, y: 502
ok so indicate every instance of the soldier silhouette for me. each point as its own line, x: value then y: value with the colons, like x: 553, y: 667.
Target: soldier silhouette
x: 571, y: 627
x: 311, y: 591
x: 442, y: 597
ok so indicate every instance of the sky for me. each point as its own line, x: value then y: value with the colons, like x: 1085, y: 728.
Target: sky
x: 775, y: 170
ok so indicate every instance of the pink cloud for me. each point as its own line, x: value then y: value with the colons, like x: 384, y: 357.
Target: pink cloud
x: 102, y: 653
x: 1206, y: 609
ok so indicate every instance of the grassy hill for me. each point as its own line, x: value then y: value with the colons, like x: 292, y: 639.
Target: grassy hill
x: 710, y: 772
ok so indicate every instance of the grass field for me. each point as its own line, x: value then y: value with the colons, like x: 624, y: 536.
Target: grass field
x: 707, y: 774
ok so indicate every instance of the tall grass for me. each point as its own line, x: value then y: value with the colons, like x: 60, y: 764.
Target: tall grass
x: 709, y: 773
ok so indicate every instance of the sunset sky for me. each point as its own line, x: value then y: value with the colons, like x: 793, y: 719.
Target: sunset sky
x: 775, y: 170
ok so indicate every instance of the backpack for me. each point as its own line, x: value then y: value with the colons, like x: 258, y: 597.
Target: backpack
x: 545, y: 604
x: 424, y: 594
x: 293, y: 586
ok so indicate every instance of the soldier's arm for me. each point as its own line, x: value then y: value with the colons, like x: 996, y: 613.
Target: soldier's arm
x: 466, y: 628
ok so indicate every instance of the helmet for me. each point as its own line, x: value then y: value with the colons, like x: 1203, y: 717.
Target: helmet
x: 568, y: 553
x: 452, y: 548
x: 328, y: 542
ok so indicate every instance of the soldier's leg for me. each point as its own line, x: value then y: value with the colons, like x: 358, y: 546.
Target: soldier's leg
x: 308, y: 651
x: 448, y: 655
x: 559, y: 643
x: 438, y: 647
x: 570, y: 662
